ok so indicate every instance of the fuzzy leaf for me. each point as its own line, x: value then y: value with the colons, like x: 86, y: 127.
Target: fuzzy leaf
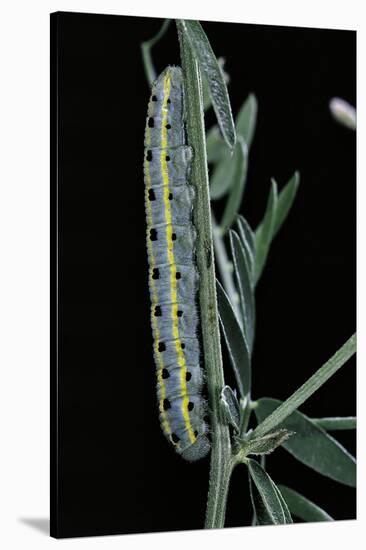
x: 246, y: 119
x: 302, y: 507
x: 261, y: 515
x: 240, y: 166
x: 230, y: 170
x: 243, y: 279
x: 216, y: 146
x: 248, y: 241
x: 207, y: 103
x: 286, y: 511
x: 217, y: 88
x: 235, y: 342
x: 312, y: 445
x: 225, y: 267
x: 268, y: 443
x: 245, y: 125
x: 264, y: 233
x: 266, y: 502
x: 231, y: 407
x: 278, y: 207
x: 336, y: 423
x: 285, y: 199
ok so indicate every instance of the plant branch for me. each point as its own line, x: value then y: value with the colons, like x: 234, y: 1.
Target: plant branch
x: 221, y: 448
x: 307, y: 389
x: 146, y: 52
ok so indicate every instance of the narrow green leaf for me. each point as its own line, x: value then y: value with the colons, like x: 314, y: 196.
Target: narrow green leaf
x: 308, y: 388
x: 205, y: 87
x: 146, y: 52
x: 286, y: 511
x: 312, y: 445
x: 231, y: 407
x: 268, y: 443
x: 243, y: 280
x: 246, y: 119
x: 285, y: 199
x: 216, y: 146
x: 336, y: 423
x: 235, y: 342
x: 302, y: 507
x: 218, y: 91
x: 260, y: 514
x: 240, y: 165
x: 275, y: 215
x: 225, y: 266
x: 247, y: 240
x: 265, y: 499
x: 264, y: 233
x: 205, y: 94
x: 227, y: 172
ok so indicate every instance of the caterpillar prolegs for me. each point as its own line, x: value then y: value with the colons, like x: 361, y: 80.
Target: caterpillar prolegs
x: 173, y: 276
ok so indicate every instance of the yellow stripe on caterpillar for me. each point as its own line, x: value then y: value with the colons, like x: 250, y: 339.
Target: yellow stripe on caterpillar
x: 173, y: 269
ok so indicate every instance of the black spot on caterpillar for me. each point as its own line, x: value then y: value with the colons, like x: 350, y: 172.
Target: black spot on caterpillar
x: 173, y: 276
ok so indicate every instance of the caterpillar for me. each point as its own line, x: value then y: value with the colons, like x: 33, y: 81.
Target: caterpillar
x: 173, y: 275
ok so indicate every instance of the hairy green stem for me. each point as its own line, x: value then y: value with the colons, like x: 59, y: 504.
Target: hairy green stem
x: 221, y: 448
x: 146, y: 52
x: 307, y: 389
x: 247, y: 407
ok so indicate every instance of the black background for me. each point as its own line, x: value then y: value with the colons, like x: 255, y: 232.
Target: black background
x: 115, y: 472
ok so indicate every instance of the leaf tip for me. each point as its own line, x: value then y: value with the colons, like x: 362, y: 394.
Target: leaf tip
x: 296, y: 177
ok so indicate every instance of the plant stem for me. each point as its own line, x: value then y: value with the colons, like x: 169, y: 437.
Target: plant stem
x: 146, y: 52
x: 247, y: 411
x: 307, y: 389
x: 221, y: 448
